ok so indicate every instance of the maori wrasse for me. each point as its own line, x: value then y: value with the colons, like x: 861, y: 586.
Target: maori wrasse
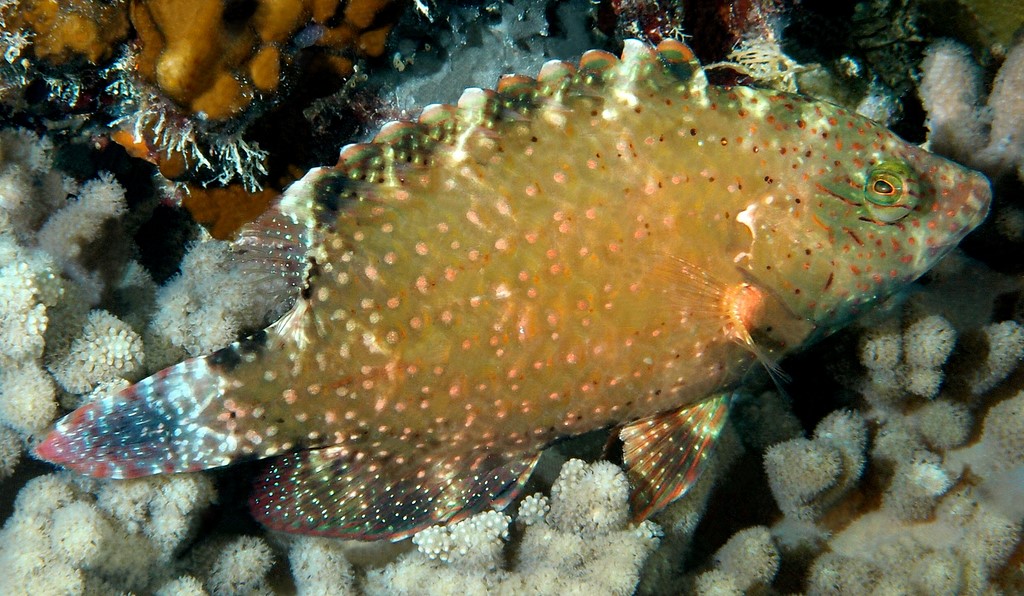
x: 613, y: 244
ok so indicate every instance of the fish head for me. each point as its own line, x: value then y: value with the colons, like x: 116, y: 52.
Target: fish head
x: 854, y: 216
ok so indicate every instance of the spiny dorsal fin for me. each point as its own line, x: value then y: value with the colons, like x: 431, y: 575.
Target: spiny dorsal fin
x: 482, y: 114
x: 665, y: 454
x: 683, y: 63
x: 597, y: 61
x: 343, y: 492
x: 554, y: 73
x: 514, y: 86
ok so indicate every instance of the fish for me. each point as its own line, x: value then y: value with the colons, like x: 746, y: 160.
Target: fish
x: 613, y: 244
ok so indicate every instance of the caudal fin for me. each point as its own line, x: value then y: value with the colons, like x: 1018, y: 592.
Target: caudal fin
x: 159, y: 425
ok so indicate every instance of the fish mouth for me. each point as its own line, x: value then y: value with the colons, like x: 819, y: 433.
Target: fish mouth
x: 966, y: 204
x: 971, y: 198
x: 979, y: 199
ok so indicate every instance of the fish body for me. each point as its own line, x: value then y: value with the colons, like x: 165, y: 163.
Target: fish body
x: 613, y: 244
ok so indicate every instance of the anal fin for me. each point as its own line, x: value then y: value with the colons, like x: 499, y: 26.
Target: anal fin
x: 345, y: 493
x: 666, y: 453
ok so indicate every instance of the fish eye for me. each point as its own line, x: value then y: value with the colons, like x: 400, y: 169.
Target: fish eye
x: 883, y: 187
x: 887, y: 192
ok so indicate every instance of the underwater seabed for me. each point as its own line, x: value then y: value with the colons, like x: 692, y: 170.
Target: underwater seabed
x: 892, y: 461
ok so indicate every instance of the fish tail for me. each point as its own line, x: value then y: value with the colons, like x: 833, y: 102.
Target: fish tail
x: 159, y: 425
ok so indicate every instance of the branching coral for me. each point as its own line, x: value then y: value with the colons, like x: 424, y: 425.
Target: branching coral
x: 944, y: 523
x: 319, y: 567
x: 579, y: 540
x: 67, y: 537
x: 48, y: 228
x: 747, y: 562
x: 990, y: 137
x: 911, y: 359
x: 241, y: 567
x: 188, y: 322
x: 106, y: 350
x: 809, y: 475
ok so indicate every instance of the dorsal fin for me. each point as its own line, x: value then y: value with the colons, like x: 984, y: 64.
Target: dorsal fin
x: 463, y: 130
x: 555, y: 72
x: 397, y: 132
x: 597, y: 61
x: 437, y: 115
x: 682, y: 62
x: 514, y: 86
x: 475, y: 98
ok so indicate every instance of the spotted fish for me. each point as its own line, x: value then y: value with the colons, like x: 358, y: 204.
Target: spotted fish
x: 613, y: 244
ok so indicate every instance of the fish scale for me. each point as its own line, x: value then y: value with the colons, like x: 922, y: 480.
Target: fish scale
x: 609, y: 245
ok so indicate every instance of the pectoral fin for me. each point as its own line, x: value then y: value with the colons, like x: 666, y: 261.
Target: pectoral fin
x: 666, y: 453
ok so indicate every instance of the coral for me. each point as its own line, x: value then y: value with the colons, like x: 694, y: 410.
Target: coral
x: 951, y: 90
x: 911, y: 360
x: 578, y: 540
x: 185, y: 585
x: 989, y: 137
x: 223, y: 210
x: 27, y: 398
x: 181, y: 82
x: 50, y: 231
x: 214, y: 59
x: 808, y: 475
x: 10, y: 451
x: 747, y: 561
x: 66, y: 538
x: 62, y: 31
x: 947, y: 520
x: 1005, y: 351
x: 241, y: 567
x: 319, y: 567
x: 106, y: 350
x: 161, y: 509
x: 1005, y: 149
x: 188, y: 321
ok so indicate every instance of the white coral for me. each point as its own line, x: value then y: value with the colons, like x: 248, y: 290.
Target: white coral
x: 1005, y: 351
x: 107, y: 349
x: 748, y: 560
x: 27, y: 398
x: 807, y: 475
x: 476, y: 541
x: 951, y: 92
x: 206, y: 306
x: 320, y: 568
x: 163, y: 508
x: 23, y: 317
x: 241, y: 568
x: 581, y: 542
x: 47, y: 285
x: 909, y: 360
x: 989, y: 137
